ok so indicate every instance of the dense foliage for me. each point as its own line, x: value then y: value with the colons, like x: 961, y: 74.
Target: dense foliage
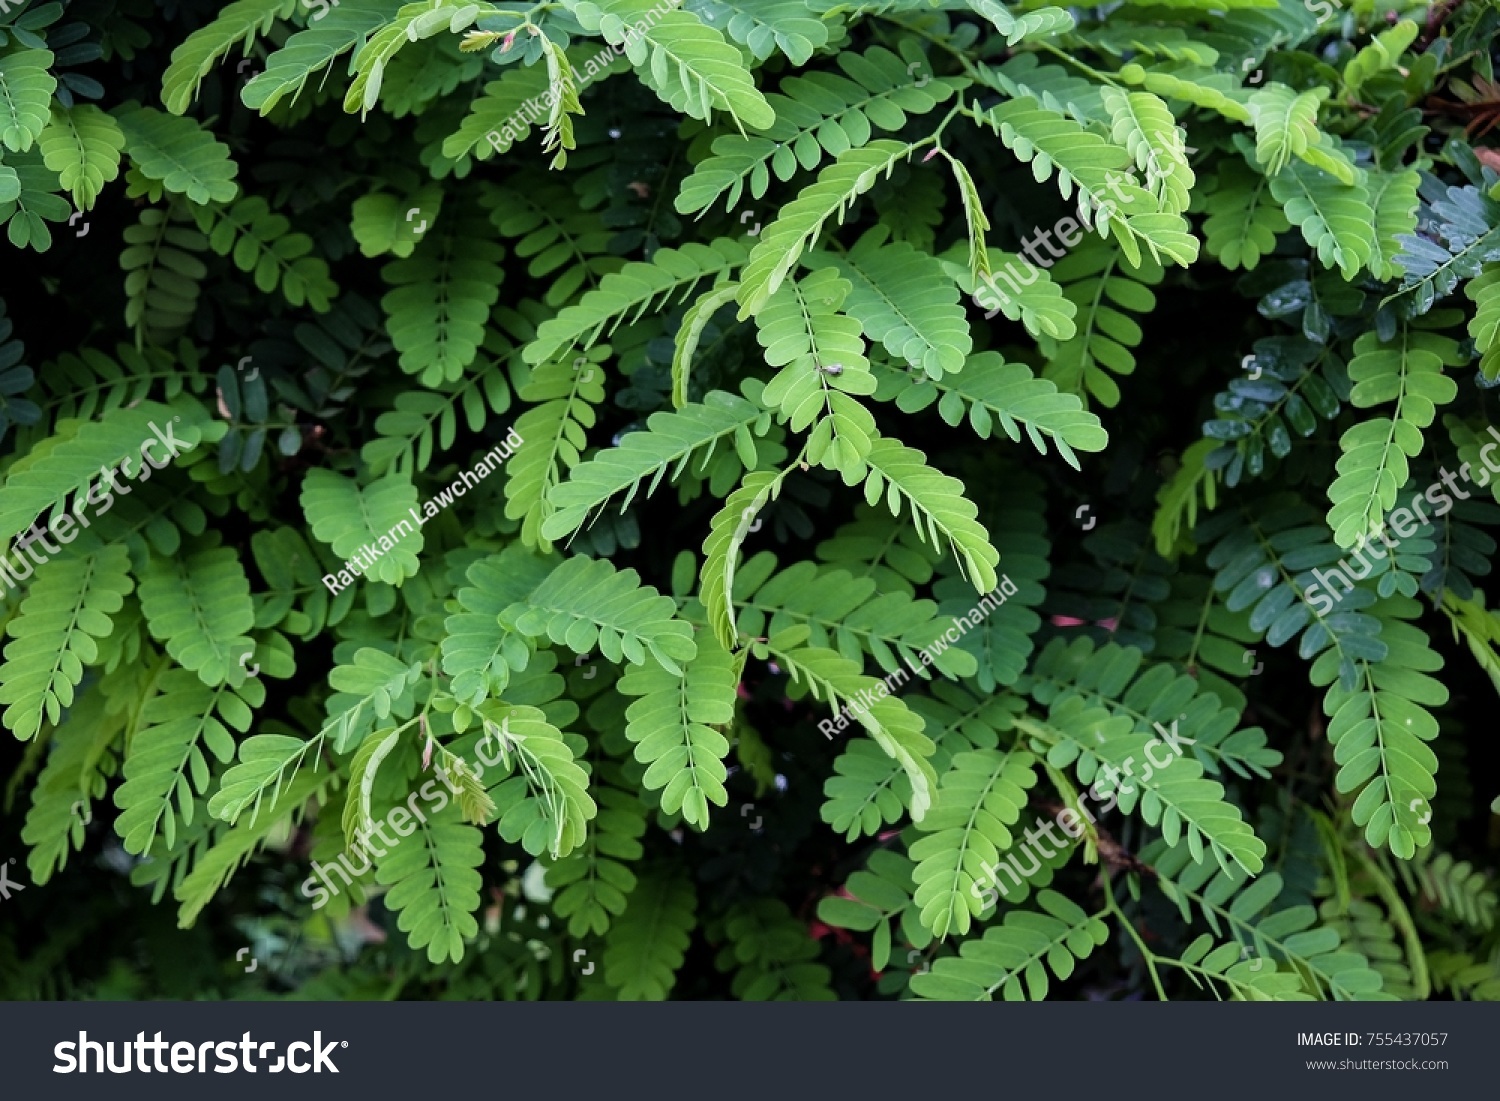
x: 705, y: 489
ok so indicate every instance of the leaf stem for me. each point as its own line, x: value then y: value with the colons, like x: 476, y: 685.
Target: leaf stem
x: 1071, y: 60
x: 1147, y: 955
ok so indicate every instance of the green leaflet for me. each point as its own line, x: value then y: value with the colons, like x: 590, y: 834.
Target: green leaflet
x: 424, y: 422
x: 563, y: 89
x: 258, y: 241
x: 1270, y: 570
x: 771, y: 956
x: 1172, y: 43
x: 818, y: 114
x: 866, y: 547
x: 75, y: 465
x: 412, y: 23
x: 1479, y: 628
x: 434, y: 884
x: 593, y: 885
x: 1002, y: 640
x: 66, y: 611
x: 1103, y: 283
x: 1383, y: 53
x: 553, y: 432
x: 798, y: 224
x: 1468, y: 221
x: 418, y: 79
x: 495, y: 120
x: 1243, y: 220
x: 569, y: 246
x: 901, y: 298
x: 26, y: 89
x: 363, y: 770
x: 27, y: 202
x: 1465, y: 977
x: 373, y: 687
x: 1158, y: 698
x: 478, y: 653
x: 199, y: 608
x: 721, y: 550
x: 370, y: 527
x: 441, y: 297
x: 1336, y: 219
x: 1286, y: 125
x: 166, y: 759
x: 697, y: 318
x: 844, y: 613
x: 1009, y: 284
x: 766, y: 25
x: 374, y: 680
x: 1190, y: 83
x: 82, y: 145
x: 1248, y: 980
x: 672, y: 724
x: 1457, y: 886
x: 1394, y: 197
x: 587, y: 602
x: 238, y: 23
x: 543, y: 801
x: 1379, y: 728
x: 162, y: 276
x: 671, y: 275
x: 646, y: 945
x: 1367, y: 929
x: 980, y: 796
x: 1173, y: 795
x: 380, y: 224
x: 1373, y: 466
x: 214, y: 867
x: 670, y: 444
x: 1484, y: 292
x: 185, y: 158
x: 264, y: 760
x: 1228, y: 903
x: 901, y: 474
x: 1177, y: 500
x: 96, y: 382
x: 70, y: 783
x: 880, y: 898
x: 866, y: 791
x: 822, y: 370
x: 312, y: 49
x: 1040, y: 23
x: 976, y: 222
x: 1232, y: 905
x: 682, y: 59
x: 1009, y: 957
x: 1053, y: 86
x: 889, y: 722
x: 1121, y: 208
x: 1143, y: 124
x: 990, y: 391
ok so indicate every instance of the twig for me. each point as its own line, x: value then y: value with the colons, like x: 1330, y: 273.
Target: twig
x: 1436, y: 17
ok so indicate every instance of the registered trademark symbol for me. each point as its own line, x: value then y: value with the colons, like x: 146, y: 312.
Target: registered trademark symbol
x: 343, y: 1043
